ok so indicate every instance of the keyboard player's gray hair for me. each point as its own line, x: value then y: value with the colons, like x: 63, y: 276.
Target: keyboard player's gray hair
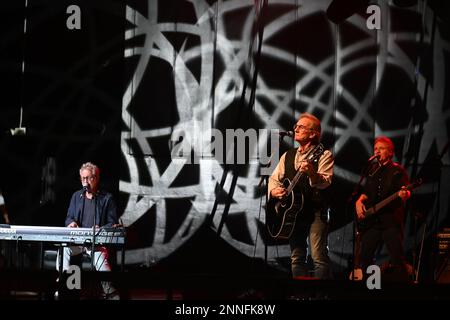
x: 91, y: 167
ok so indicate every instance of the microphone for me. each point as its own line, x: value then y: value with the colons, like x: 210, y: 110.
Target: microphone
x: 374, y: 157
x: 286, y: 133
x: 373, y: 167
x: 85, y: 189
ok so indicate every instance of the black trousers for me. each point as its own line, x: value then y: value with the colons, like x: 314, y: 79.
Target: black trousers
x: 391, y: 236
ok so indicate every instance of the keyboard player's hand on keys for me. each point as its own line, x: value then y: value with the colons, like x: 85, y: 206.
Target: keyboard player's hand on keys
x: 73, y: 224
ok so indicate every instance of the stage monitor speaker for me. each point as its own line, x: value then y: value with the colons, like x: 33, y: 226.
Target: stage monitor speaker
x: 443, y: 275
x: 443, y: 265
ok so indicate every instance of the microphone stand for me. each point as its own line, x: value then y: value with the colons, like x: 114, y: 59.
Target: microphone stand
x: 61, y: 248
x: 93, y: 234
x: 350, y: 200
x: 93, y: 238
x: 83, y: 196
x: 265, y: 179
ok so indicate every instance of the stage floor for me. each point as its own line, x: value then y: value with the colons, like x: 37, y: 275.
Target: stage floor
x: 148, y: 285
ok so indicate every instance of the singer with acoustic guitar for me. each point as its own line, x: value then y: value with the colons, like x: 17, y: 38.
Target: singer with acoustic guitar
x: 296, y: 207
x: 385, y: 180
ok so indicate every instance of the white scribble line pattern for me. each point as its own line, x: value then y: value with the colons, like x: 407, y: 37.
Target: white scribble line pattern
x: 194, y: 100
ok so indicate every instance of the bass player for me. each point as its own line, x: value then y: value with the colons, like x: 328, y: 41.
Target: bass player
x: 387, y: 225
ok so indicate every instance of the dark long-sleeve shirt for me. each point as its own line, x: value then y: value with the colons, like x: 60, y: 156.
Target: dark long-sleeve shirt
x: 106, y: 209
x: 386, y: 181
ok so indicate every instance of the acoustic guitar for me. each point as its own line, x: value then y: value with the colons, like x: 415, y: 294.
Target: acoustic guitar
x: 282, y: 213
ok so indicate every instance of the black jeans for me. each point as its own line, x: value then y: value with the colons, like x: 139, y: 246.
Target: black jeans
x: 371, y: 238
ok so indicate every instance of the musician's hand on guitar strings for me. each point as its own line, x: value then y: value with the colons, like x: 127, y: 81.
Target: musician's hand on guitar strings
x: 307, y: 168
x: 360, y: 207
x: 404, y: 193
x: 278, y: 192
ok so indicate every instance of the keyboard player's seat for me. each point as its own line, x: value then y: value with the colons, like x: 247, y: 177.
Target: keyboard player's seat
x: 49, y: 263
x: 82, y: 260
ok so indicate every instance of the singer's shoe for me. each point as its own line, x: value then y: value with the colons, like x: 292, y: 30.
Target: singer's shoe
x: 56, y: 294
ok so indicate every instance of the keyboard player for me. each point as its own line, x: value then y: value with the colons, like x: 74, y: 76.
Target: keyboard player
x: 90, y: 206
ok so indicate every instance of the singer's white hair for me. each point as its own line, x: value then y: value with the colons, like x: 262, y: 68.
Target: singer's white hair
x: 91, y: 167
x: 316, y: 125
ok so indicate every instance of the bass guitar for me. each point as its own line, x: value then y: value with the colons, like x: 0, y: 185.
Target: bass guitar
x: 282, y: 213
x: 371, y: 213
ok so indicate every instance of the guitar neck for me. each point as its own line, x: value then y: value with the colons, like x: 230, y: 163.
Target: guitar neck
x: 294, y: 182
x: 312, y: 156
x: 392, y: 197
x: 381, y: 204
